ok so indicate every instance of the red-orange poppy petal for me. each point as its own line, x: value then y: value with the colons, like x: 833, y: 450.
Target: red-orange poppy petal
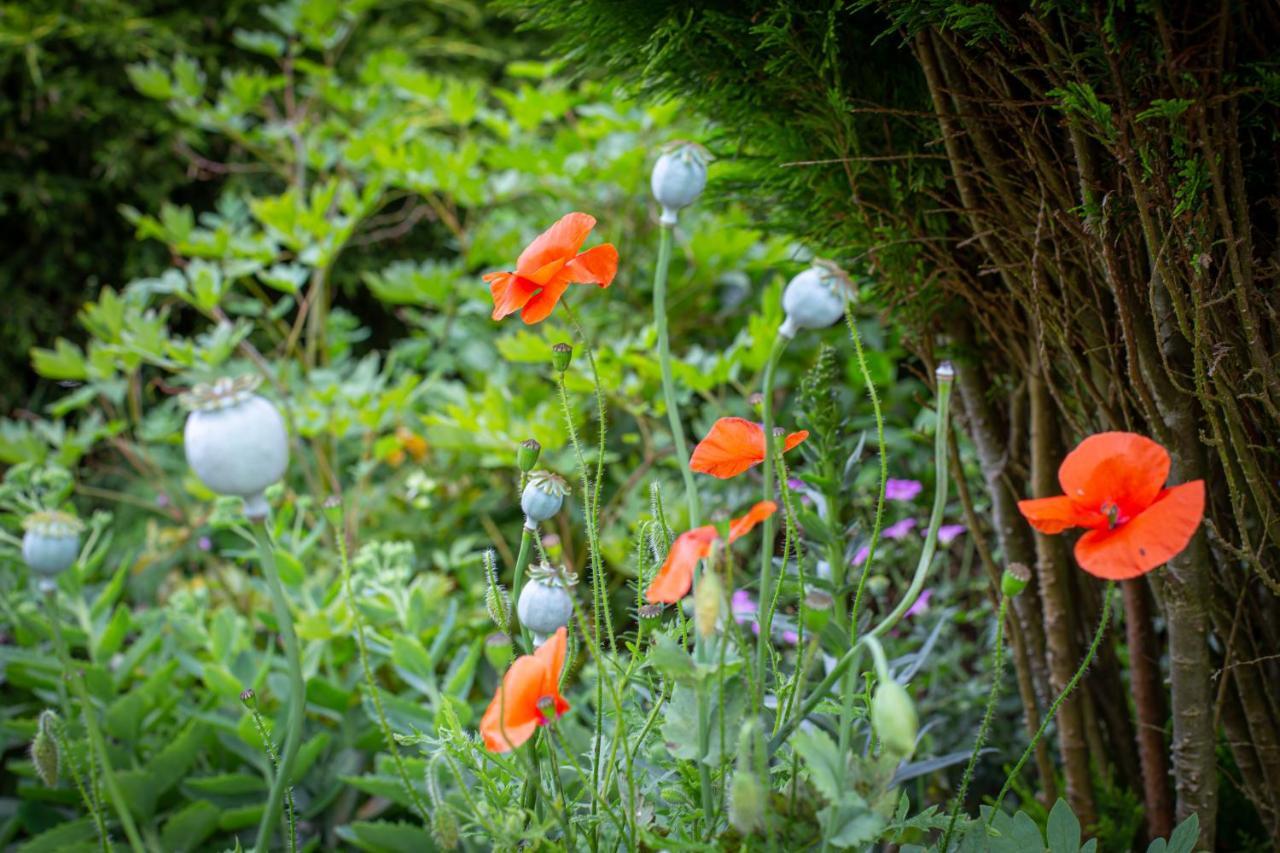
x: 794, y: 440
x: 1056, y: 514
x: 545, y: 301
x: 740, y: 527
x: 1148, y: 540
x: 559, y: 242
x: 513, y: 716
x: 1120, y: 468
x: 510, y: 293
x: 551, y: 655
x: 732, y: 446
x: 597, y: 265
x: 675, y: 578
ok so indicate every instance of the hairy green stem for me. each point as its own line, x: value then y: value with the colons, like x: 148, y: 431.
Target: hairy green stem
x: 274, y: 759
x: 766, y: 548
x: 388, y: 736
x: 297, y: 688
x: 997, y: 674
x: 668, y: 380
x: 1062, y: 697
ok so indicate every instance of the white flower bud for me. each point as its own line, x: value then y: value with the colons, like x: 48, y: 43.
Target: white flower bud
x: 542, y: 498
x: 235, y: 441
x: 678, y: 178
x: 51, y: 541
x: 815, y: 298
x: 545, y: 604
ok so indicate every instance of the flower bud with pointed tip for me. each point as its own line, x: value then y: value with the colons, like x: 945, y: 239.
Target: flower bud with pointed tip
x: 1015, y: 579
x: 546, y: 604
x: 708, y: 600
x: 893, y: 716
x: 44, y: 749
x: 747, y: 800
x: 561, y: 355
x: 814, y: 299
x: 51, y: 541
x: 527, y: 454
x: 678, y: 178
x: 542, y: 498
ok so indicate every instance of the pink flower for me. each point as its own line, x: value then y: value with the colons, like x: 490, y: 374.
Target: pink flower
x: 861, y: 556
x: 948, y: 532
x: 921, y: 604
x: 902, y: 490
x: 899, y: 529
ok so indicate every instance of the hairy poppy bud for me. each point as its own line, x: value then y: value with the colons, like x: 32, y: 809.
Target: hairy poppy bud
x: 248, y: 698
x: 815, y: 298
x: 707, y: 602
x: 50, y: 541
x: 542, y: 498
x: 235, y: 441
x: 561, y: 355
x: 527, y: 454
x: 444, y: 828
x: 678, y: 178
x: 893, y: 715
x: 44, y: 749
x: 545, y: 604
x: 1015, y: 579
x: 747, y: 801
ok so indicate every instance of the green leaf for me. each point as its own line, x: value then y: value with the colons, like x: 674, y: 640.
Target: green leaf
x: 1063, y: 831
x: 188, y: 828
x: 823, y: 761
x: 64, y: 361
x: 143, y: 787
x: 386, y: 837
x: 671, y: 659
x: 851, y: 822
x: 151, y: 80
x: 64, y: 837
x: 290, y: 568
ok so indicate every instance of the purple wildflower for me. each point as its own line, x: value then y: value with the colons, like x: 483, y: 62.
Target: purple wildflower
x: 861, y: 556
x: 204, y: 543
x: 899, y: 529
x: 902, y: 490
x: 948, y: 532
x: 921, y: 604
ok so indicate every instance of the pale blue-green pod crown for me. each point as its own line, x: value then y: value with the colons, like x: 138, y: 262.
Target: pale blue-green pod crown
x: 678, y: 178
x: 546, y: 603
x: 542, y: 498
x: 50, y: 541
x: 235, y: 441
x: 815, y: 298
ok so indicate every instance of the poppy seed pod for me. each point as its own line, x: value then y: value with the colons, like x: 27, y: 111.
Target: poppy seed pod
x: 235, y: 440
x: 893, y: 715
x: 50, y: 541
x: 527, y: 454
x: 546, y: 604
x: 542, y: 497
x: 561, y: 355
x: 678, y: 178
x: 815, y: 298
x: 1015, y: 579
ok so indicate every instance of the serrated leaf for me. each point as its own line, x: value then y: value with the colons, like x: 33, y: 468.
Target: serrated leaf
x: 822, y: 759
x: 386, y: 837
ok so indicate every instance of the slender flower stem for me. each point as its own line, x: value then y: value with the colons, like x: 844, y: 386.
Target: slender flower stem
x: 562, y: 811
x: 272, y: 756
x: 297, y: 688
x: 517, y: 581
x: 884, y: 470
x: 997, y: 674
x: 668, y: 380
x: 766, y: 547
x: 370, y: 685
x: 60, y: 733
x: 1062, y: 697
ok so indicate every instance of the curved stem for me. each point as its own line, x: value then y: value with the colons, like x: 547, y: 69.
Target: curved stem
x: 297, y: 688
x: 668, y: 380
x: 997, y: 673
x: 387, y: 736
x: 522, y: 563
x: 766, y: 548
x: 1062, y: 697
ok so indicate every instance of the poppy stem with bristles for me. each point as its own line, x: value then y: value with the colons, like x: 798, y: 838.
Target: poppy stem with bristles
x: 766, y: 549
x: 668, y: 379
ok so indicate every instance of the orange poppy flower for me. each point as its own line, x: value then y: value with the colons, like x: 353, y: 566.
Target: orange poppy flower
x: 1115, y: 487
x: 528, y: 697
x: 548, y: 266
x: 674, y: 579
x: 733, y: 446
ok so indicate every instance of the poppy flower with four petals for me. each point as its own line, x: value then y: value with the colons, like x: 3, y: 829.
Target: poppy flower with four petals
x: 1115, y: 487
x: 675, y: 578
x: 733, y: 446
x: 548, y: 266
x: 528, y: 697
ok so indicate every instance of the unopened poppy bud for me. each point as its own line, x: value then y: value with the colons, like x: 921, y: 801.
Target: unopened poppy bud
x: 746, y: 802
x: 815, y: 298
x: 678, y: 178
x: 44, y: 749
x: 444, y: 828
x: 893, y: 715
x: 542, y: 498
x: 561, y: 355
x: 50, y: 541
x: 248, y: 698
x: 1015, y: 579
x: 497, y: 650
x: 546, y: 604
x: 498, y: 603
x: 707, y: 602
x: 527, y: 455
x: 816, y: 610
